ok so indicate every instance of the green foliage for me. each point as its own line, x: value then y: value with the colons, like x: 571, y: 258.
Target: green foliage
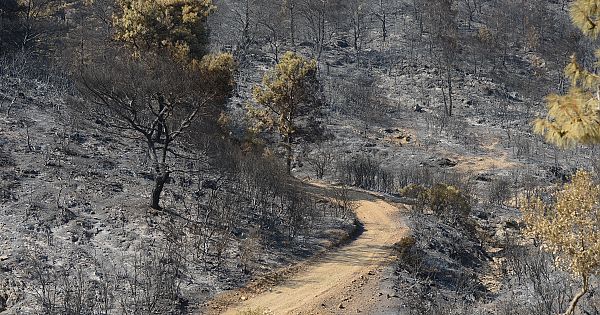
x: 574, y: 117
x: 287, y: 93
x: 218, y: 69
x: 568, y: 228
x: 283, y: 93
x: 585, y: 15
x: 442, y: 199
x: 447, y: 199
x: 413, y: 191
x: 177, y: 25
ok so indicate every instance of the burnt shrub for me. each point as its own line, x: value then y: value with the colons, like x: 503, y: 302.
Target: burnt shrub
x: 366, y: 172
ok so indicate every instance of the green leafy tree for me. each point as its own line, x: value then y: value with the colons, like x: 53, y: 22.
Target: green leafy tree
x: 177, y: 25
x: 287, y: 93
x: 574, y: 117
x: 569, y: 229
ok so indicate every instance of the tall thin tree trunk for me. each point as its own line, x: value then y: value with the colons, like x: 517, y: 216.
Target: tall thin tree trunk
x: 291, y: 5
x: 449, y: 78
x: 246, y: 31
x: 446, y: 111
x: 383, y: 21
x: 287, y: 139
x: 159, y: 184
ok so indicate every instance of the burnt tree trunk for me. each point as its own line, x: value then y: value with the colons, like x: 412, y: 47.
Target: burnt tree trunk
x: 162, y: 177
x: 449, y: 79
x: 287, y: 140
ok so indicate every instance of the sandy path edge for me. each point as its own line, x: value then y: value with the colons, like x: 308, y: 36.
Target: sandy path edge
x: 343, y: 279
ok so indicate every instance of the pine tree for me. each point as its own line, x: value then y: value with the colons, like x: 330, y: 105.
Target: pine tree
x: 177, y: 25
x: 287, y: 93
x: 574, y: 118
x: 569, y: 229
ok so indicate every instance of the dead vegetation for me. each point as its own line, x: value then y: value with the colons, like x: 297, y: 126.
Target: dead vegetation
x: 430, y: 104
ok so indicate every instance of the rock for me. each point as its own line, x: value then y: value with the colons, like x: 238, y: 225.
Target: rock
x: 210, y: 184
x: 243, y: 298
x: 470, y: 298
x: 500, y: 234
x: 446, y: 162
x: 305, y: 44
x: 342, y: 43
x: 514, y: 96
x: 512, y: 224
x: 559, y: 173
x: 419, y: 109
x: 341, y: 306
x: 482, y: 215
x: 483, y: 178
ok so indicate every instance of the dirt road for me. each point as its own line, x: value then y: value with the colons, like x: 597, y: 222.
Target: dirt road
x: 345, y: 280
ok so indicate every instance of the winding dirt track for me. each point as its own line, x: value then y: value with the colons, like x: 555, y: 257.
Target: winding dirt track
x: 342, y: 281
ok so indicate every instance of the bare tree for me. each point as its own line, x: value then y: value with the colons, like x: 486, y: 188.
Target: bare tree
x: 358, y: 12
x: 154, y: 101
x: 320, y: 160
x: 290, y: 7
x: 443, y: 35
x: 315, y: 14
x: 382, y: 12
x: 271, y: 25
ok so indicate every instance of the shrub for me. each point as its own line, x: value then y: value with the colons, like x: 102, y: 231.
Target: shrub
x: 499, y: 192
x: 448, y: 200
x: 442, y: 199
x: 405, y: 244
x: 366, y: 172
x: 416, y: 192
x: 413, y: 191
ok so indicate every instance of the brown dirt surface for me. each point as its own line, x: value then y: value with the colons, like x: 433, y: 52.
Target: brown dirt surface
x: 344, y: 280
